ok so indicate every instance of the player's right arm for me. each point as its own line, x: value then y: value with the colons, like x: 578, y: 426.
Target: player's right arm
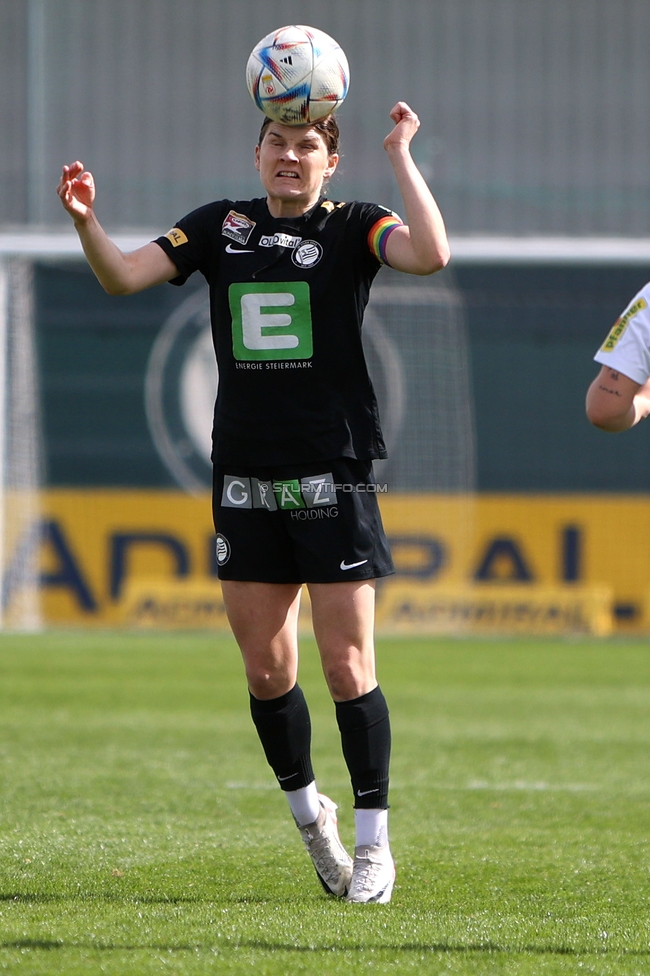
x: 117, y: 272
x: 615, y: 402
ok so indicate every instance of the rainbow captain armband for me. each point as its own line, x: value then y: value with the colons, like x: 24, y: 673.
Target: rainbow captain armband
x: 379, y: 234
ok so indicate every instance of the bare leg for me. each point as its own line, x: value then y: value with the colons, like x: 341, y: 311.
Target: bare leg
x: 264, y: 621
x: 343, y: 616
x: 264, y: 618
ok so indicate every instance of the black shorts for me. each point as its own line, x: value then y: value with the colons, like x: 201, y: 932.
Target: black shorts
x: 300, y: 523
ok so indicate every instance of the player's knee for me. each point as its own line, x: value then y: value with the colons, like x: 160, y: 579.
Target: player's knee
x: 265, y: 684
x: 347, y: 679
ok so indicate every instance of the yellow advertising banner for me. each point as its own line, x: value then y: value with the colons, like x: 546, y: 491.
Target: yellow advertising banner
x: 98, y: 548
x: 417, y: 608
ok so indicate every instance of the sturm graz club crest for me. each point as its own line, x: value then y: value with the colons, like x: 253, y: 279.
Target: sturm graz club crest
x: 182, y: 378
x: 222, y: 549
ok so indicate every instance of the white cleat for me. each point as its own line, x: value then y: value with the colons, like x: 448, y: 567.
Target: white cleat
x: 373, y: 875
x: 332, y: 862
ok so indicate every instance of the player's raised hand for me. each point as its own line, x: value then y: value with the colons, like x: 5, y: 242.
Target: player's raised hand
x: 406, y: 125
x: 77, y: 191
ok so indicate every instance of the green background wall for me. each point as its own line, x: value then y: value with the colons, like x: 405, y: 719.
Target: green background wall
x: 532, y: 330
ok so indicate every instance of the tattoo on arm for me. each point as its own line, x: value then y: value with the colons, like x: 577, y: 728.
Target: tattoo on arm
x: 607, y: 390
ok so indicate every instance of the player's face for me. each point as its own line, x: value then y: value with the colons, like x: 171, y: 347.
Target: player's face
x: 293, y: 162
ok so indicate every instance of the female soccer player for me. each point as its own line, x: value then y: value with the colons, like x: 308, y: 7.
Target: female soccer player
x: 296, y: 428
x: 619, y: 397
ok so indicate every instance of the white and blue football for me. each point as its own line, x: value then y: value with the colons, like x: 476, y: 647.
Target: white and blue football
x: 297, y: 75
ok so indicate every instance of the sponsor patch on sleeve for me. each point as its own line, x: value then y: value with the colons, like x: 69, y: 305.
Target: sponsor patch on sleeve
x: 176, y: 236
x: 621, y: 324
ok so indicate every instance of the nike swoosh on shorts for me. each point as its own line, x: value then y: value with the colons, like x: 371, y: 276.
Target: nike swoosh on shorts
x: 345, y: 565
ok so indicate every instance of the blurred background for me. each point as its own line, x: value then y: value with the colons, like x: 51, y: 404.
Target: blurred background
x: 532, y: 110
x: 506, y: 509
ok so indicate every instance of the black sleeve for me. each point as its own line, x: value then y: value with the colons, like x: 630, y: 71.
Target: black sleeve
x: 190, y: 243
x: 366, y: 217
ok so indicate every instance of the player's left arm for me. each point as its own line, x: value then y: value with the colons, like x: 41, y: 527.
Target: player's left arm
x: 615, y: 402
x: 420, y: 246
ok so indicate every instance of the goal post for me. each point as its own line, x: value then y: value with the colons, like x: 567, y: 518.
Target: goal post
x: 20, y: 449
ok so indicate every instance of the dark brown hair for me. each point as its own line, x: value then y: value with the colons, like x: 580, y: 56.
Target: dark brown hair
x: 327, y: 127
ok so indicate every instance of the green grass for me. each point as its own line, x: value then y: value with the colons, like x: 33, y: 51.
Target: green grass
x: 141, y: 831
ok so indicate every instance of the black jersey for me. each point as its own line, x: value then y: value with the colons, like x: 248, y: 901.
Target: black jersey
x: 287, y: 297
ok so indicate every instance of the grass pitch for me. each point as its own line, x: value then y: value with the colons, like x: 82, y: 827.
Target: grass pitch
x: 141, y: 831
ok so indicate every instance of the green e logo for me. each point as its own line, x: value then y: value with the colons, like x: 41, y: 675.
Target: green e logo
x: 271, y: 320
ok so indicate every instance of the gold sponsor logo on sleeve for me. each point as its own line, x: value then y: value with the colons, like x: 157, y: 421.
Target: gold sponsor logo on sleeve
x: 621, y: 324
x: 176, y: 236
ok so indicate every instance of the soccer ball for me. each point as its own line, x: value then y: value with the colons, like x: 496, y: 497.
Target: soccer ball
x: 297, y: 75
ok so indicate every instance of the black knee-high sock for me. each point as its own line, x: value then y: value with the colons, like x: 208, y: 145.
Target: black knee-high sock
x: 365, y: 737
x: 284, y: 728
